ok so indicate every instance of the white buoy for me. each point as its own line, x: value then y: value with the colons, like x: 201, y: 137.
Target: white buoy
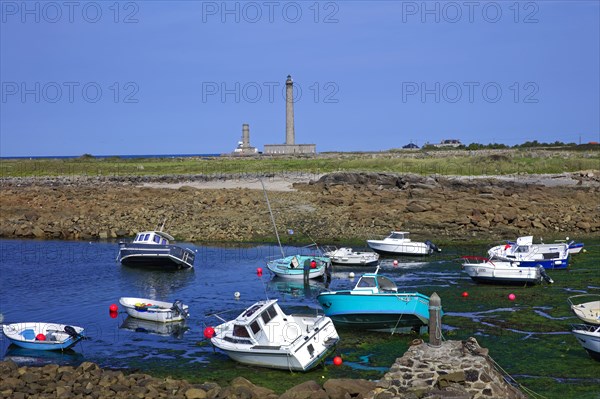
x: 395, y: 262
x: 351, y: 275
x: 236, y: 295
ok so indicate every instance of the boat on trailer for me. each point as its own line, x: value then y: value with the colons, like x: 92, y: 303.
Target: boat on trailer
x: 586, y: 307
x: 43, y: 336
x: 485, y: 270
x: 155, y: 249
x: 263, y: 335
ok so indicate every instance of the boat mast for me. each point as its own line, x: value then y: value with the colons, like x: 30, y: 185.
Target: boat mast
x: 272, y: 218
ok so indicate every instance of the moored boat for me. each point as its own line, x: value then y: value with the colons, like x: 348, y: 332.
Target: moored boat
x: 587, y: 310
x: 398, y: 243
x: 376, y: 304
x: 589, y: 337
x: 484, y: 270
x: 350, y: 257
x: 43, y: 336
x: 295, y: 266
x: 524, y: 251
x: 263, y: 335
x: 155, y: 249
x: 152, y: 310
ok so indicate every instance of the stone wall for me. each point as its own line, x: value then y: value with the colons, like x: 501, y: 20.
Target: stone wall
x: 454, y: 370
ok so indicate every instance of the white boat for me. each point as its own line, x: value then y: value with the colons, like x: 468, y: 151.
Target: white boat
x: 347, y: 256
x: 159, y: 311
x: 484, y: 270
x: 43, y: 336
x: 398, y: 243
x: 589, y: 337
x: 155, y: 249
x: 264, y: 336
x: 588, y: 311
x: 550, y: 256
x: 295, y: 266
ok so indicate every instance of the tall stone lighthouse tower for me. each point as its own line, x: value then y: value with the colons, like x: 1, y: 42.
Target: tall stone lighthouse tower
x: 289, y: 111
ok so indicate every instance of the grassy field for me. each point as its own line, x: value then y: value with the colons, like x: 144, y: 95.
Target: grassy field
x: 466, y: 163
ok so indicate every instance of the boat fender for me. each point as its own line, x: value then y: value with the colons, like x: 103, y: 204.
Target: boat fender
x: 313, y: 264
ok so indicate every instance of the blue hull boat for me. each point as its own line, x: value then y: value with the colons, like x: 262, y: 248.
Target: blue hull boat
x: 375, y: 304
x: 528, y: 254
x: 43, y: 336
x: 293, y: 267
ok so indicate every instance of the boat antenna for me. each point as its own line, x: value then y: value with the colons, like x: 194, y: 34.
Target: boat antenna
x: 163, y: 225
x: 272, y: 218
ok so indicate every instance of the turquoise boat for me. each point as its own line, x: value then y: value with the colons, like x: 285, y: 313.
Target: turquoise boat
x: 375, y: 304
x: 292, y: 267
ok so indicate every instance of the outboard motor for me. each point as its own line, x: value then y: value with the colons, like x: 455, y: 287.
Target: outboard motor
x: 71, y: 331
x: 432, y: 247
x: 178, y: 308
x: 545, y: 275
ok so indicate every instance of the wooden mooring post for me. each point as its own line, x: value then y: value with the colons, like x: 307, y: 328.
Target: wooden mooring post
x: 435, y: 320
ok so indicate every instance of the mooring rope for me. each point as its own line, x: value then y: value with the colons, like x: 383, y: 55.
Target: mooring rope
x: 520, y: 386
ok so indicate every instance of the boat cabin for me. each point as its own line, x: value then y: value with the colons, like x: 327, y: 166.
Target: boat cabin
x: 375, y: 284
x: 399, y: 235
x: 265, y: 325
x: 153, y: 237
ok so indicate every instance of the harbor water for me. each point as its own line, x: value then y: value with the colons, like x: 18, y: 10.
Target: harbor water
x: 75, y: 283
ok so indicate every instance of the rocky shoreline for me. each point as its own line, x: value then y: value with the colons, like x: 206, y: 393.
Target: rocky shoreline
x: 336, y: 207
x: 454, y: 369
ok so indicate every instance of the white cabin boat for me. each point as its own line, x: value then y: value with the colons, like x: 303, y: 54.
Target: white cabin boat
x: 589, y: 337
x: 347, y: 256
x: 484, y: 270
x: 265, y: 336
x: 398, y: 243
x: 151, y: 310
x: 155, y: 249
x: 550, y: 256
x: 587, y: 310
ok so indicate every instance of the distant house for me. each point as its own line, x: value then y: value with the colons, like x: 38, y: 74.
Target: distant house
x: 449, y: 143
x: 410, y: 146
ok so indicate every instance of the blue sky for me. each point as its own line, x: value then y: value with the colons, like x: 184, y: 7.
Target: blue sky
x: 181, y: 77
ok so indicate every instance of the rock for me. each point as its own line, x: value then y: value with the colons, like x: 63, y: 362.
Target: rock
x: 344, y: 387
x: 306, y: 390
x: 195, y: 393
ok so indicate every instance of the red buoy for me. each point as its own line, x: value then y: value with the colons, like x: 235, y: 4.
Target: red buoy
x: 113, y: 308
x: 465, y: 294
x: 337, y: 360
x: 259, y: 270
x: 512, y: 297
x: 40, y: 337
x: 313, y: 264
x: 209, y: 332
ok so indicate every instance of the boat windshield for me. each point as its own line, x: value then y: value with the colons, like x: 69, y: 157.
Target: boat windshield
x: 366, y: 281
x: 240, y: 331
x: 385, y: 284
x: 268, y: 314
x: 397, y: 235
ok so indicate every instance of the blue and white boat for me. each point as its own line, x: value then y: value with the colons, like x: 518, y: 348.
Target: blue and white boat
x: 154, y: 249
x: 293, y: 266
x: 375, y: 304
x: 43, y: 336
x: 524, y: 251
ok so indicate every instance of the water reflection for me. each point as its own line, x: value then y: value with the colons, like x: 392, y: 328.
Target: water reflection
x: 297, y: 288
x: 154, y: 284
x: 32, y: 357
x: 176, y: 329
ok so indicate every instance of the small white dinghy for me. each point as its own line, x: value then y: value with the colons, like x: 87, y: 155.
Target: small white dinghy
x: 265, y: 336
x: 589, y: 311
x: 350, y: 257
x: 149, y: 309
x: 43, y: 336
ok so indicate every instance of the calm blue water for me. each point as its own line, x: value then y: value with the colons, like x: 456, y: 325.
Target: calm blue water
x: 75, y: 283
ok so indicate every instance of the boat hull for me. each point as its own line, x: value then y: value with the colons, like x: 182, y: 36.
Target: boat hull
x: 24, y: 335
x: 411, y: 249
x: 549, y: 256
x: 497, y: 273
x: 161, y: 312
x: 589, y: 338
x: 282, y: 267
x: 158, y: 256
x: 393, y: 312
